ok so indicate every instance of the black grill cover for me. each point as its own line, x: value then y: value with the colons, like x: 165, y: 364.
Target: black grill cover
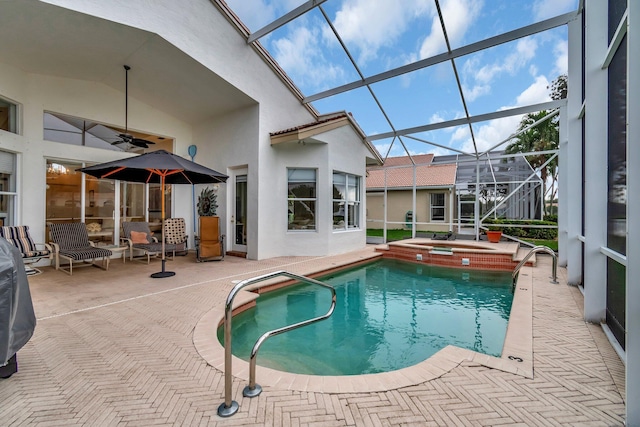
x: 17, y: 318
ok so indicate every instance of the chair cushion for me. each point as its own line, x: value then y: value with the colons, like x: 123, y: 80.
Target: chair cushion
x: 138, y: 237
x: 88, y: 252
x: 128, y: 227
x: 69, y: 235
x: 209, y: 228
x: 210, y: 249
x: 155, y: 247
x: 174, y: 230
x: 94, y: 227
x: 36, y: 254
x: 20, y: 238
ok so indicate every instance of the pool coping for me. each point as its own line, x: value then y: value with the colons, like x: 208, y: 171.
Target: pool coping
x: 517, y: 354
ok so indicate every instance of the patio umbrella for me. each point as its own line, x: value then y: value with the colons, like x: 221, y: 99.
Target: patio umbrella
x: 157, y: 167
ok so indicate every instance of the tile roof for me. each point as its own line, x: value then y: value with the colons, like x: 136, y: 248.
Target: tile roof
x: 309, y: 125
x: 399, y: 177
x: 419, y: 159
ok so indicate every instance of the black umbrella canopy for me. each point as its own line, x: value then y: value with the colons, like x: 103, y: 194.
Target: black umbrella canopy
x: 151, y: 167
x: 157, y: 167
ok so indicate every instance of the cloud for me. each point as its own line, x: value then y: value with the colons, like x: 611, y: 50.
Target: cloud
x: 470, y: 94
x: 561, y: 51
x: 371, y: 24
x: 246, y: 9
x: 301, y: 56
x: 436, y: 118
x: 536, y: 93
x: 524, y: 52
x: 495, y: 131
x: 544, y: 9
x: 458, y: 18
x: 477, y: 79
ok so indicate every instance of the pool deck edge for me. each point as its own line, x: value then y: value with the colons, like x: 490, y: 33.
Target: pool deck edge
x: 517, y: 354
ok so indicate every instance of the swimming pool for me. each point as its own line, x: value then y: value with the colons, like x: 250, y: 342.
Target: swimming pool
x: 390, y: 315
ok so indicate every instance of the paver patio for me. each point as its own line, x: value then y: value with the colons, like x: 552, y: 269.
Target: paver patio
x: 116, y: 348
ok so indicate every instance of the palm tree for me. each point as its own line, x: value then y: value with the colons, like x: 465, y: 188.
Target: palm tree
x: 542, y: 137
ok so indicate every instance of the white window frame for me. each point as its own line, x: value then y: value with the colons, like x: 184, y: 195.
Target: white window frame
x: 350, y: 200
x: 13, y: 115
x: 294, y: 225
x: 433, y: 206
x: 8, y: 165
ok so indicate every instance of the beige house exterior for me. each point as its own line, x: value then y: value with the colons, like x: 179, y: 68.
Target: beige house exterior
x: 391, y: 186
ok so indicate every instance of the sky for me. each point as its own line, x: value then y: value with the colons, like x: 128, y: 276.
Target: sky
x: 381, y: 35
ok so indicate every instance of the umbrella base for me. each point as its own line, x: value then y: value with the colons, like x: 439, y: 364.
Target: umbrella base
x: 163, y: 274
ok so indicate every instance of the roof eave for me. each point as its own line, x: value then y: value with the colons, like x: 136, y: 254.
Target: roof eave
x: 264, y: 54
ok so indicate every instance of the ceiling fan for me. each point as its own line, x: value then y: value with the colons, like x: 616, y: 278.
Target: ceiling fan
x: 126, y: 138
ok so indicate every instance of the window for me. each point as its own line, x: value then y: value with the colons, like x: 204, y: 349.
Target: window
x: 78, y: 131
x: 155, y: 205
x: 301, y: 199
x: 617, y: 188
x: 64, y: 196
x: 7, y: 188
x: 8, y: 116
x: 346, y: 201
x: 437, y: 206
x: 98, y: 206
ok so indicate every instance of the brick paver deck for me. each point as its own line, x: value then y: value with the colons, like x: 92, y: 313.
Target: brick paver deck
x: 116, y: 348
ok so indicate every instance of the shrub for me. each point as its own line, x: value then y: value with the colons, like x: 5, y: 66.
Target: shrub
x: 525, y: 232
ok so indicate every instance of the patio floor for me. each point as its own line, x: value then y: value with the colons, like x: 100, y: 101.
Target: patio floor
x: 117, y: 347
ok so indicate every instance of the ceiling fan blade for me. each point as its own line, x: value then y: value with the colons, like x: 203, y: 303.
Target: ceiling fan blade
x: 142, y: 141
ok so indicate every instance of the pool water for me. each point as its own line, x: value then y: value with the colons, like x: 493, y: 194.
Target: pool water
x: 389, y: 315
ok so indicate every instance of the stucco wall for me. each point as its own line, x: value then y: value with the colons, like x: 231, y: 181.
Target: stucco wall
x: 236, y: 139
x: 343, y: 152
x: 399, y: 203
x: 37, y: 94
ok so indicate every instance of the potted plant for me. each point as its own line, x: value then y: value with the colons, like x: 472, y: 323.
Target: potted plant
x: 209, y: 243
x: 494, y: 234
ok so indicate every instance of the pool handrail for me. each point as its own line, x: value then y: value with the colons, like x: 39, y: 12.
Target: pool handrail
x: 536, y: 249
x: 229, y: 406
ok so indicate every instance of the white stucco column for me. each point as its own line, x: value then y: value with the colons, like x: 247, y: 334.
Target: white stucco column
x: 563, y: 189
x: 595, y: 216
x: 632, y: 321
x: 571, y: 171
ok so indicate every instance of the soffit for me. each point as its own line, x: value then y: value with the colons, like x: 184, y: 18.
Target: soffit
x: 44, y: 39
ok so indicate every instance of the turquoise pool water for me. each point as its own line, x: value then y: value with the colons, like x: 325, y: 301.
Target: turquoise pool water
x: 389, y: 315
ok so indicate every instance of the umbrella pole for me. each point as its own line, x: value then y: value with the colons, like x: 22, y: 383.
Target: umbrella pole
x: 163, y: 273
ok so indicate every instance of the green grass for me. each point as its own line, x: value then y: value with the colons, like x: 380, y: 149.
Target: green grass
x: 552, y: 244
x: 397, y: 234
x: 391, y: 234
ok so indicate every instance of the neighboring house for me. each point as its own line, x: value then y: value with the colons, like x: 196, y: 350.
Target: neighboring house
x: 434, y: 197
x: 194, y: 80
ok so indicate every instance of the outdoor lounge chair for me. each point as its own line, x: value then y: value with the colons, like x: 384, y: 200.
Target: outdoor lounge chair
x: 139, y: 238
x: 70, y: 241
x: 174, y: 233
x: 448, y: 236
x: 210, y: 243
x: 31, y: 252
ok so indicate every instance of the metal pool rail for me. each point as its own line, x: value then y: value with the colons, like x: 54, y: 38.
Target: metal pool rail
x: 535, y: 249
x: 229, y: 406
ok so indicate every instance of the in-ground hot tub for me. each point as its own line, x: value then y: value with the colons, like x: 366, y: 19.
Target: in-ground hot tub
x: 455, y: 253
